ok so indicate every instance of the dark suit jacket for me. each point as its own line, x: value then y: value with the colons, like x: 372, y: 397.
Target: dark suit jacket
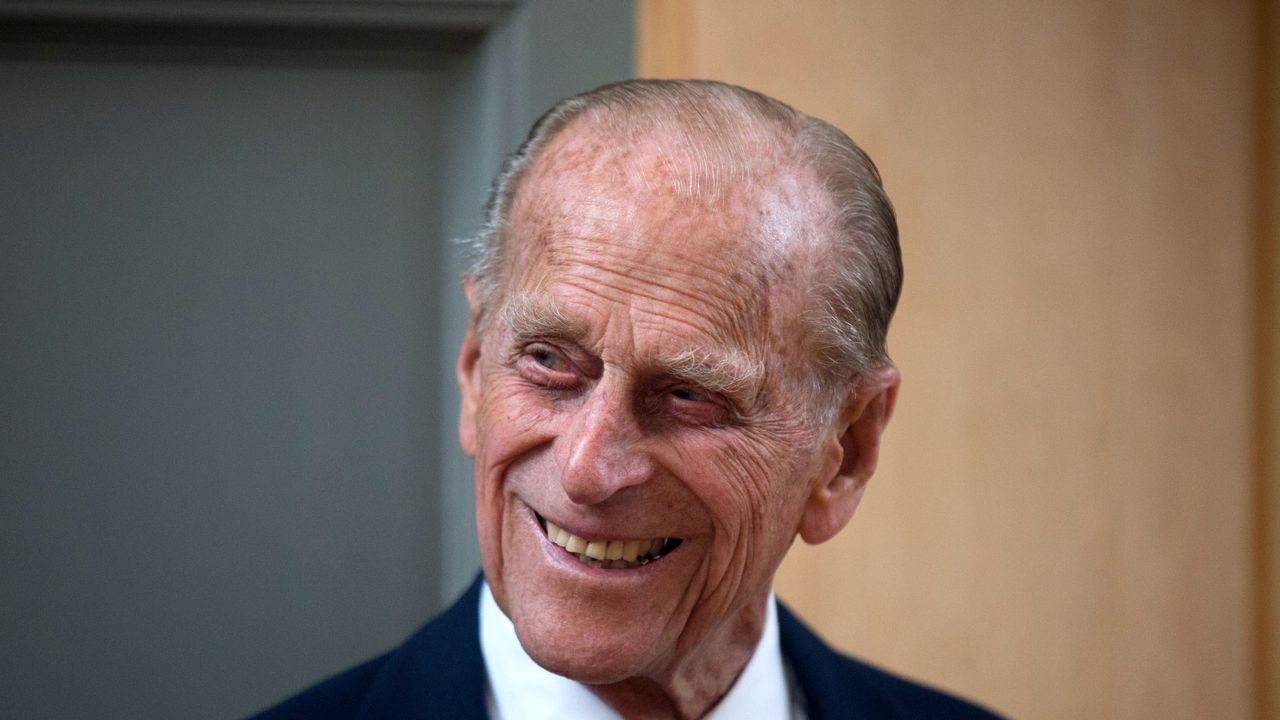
x: 439, y: 673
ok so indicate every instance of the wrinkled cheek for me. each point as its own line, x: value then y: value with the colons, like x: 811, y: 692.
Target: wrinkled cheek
x: 490, y: 503
x: 717, y: 597
x: 753, y: 530
x: 489, y: 522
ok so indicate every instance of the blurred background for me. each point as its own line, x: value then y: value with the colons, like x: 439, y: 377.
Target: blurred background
x: 229, y: 305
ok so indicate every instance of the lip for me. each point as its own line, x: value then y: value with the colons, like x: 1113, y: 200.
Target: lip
x: 561, y: 558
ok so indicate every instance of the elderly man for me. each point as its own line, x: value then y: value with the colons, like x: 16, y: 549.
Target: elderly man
x: 675, y: 365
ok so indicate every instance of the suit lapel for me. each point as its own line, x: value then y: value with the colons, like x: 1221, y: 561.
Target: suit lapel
x: 819, y: 672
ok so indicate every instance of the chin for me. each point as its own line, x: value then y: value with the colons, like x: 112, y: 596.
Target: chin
x: 583, y: 658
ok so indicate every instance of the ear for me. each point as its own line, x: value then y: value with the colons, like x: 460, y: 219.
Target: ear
x: 468, y: 370
x: 852, y: 452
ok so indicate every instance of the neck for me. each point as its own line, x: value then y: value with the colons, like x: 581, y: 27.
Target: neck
x: 699, y: 680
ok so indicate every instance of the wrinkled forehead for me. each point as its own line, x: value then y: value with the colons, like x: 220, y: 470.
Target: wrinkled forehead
x: 739, y: 202
x: 706, y: 251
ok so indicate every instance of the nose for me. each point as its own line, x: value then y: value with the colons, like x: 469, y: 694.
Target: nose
x: 601, y: 451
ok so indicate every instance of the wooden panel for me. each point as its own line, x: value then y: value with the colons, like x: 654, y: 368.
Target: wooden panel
x: 1061, y: 525
x: 1268, y: 341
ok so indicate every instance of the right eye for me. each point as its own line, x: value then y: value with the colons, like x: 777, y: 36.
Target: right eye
x: 547, y: 358
x: 543, y: 364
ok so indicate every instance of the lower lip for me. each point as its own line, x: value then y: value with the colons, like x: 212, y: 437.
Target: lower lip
x: 563, y: 558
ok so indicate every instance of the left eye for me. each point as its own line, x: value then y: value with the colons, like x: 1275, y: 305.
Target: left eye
x: 688, y: 395
x: 695, y: 405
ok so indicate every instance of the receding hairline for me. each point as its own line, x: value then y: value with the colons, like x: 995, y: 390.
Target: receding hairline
x: 731, y: 137
x: 793, y: 218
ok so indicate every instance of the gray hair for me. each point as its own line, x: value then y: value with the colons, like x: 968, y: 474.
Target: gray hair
x: 856, y: 284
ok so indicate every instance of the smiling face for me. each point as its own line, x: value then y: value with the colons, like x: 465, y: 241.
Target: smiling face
x: 644, y: 453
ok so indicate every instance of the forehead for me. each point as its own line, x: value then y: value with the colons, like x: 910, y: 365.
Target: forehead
x: 659, y: 220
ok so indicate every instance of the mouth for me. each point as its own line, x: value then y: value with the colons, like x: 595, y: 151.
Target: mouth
x: 609, y: 554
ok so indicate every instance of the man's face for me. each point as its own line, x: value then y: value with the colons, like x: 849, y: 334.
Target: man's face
x: 639, y: 384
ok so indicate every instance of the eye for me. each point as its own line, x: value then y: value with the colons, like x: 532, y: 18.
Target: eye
x: 688, y: 395
x: 545, y: 365
x: 547, y: 358
x: 696, y: 406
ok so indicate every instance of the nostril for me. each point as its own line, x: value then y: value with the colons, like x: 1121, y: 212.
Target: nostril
x: 591, y: 477
x: 602, y: 451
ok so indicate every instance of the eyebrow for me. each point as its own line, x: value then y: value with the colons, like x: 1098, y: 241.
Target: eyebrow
x: 730, y: 373
x: 541, y: 317
x: 726, y: 371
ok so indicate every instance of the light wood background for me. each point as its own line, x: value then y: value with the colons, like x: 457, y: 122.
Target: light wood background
x: 1073, y: 515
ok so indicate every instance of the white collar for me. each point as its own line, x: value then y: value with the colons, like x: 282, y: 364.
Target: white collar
x: 520, y: 688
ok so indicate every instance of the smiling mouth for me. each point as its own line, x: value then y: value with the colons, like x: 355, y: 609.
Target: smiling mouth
x: 609, y: 554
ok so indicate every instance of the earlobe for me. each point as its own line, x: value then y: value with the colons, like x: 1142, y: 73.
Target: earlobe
x: 851, y: 456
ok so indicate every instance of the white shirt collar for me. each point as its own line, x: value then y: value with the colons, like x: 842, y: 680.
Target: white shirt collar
x: 520, y: 688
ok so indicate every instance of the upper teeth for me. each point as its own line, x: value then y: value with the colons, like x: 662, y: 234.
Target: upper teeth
x: 613, y: 553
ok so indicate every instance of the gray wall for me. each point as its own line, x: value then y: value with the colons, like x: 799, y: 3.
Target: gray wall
x: 228, y: 310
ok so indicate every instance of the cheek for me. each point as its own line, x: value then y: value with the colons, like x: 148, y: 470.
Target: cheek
x: 508, y: 427
x: 751, y: 485
x: 513, y: 423
x: 512, y: 420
